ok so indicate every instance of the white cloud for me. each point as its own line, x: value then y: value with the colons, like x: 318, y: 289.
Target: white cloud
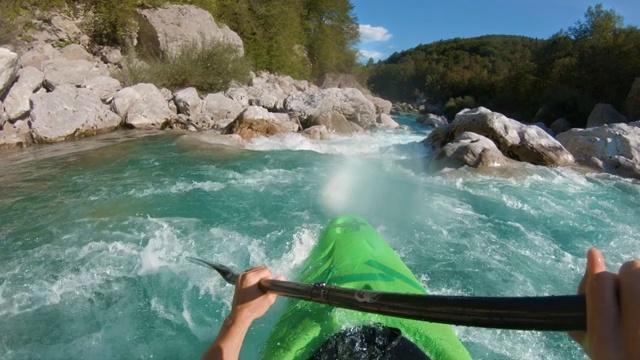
x: 370, y: 33
x: 366, y: 54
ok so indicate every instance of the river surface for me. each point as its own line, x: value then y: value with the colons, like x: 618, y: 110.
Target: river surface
x: 93, y: 235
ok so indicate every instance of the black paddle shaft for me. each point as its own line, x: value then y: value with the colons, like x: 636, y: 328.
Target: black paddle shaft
x: 543, y: 313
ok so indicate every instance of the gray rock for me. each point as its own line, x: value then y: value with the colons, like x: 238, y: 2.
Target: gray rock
x: 110, y: 55
x: 238, y: 94
x: 432, y: 120
x: 268, y: 102
x: 38, y: 54
x: 332, y: 107
x: 469, y: 149
x: 603, y: 114
x: 69, y: 112
x: 16, y: 103
x: 560, y: 125
x: 387, y: 121
x: 188, y: 101
x: 75, y: 52
x: 143, y: 107
x: 544, y: 127
x: 220, y: 108
x: 516, y: 140
x: 74, y: 72
x: 166, y: 93
x: 15, y: 135
x: 382, y: 106
x: 318, y: 132
x: 253, y: 122
x: 105, y: 87
x: 165, y: 31
x: 614, y: 148
x: 632, y: 102
x: 8, y: 69
x: 64, y: 28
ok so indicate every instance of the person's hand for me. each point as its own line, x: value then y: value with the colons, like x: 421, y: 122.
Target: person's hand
x: 249, y: 301
x: 613, y: 310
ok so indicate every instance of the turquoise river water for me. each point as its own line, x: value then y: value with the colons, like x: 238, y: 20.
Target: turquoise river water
x: 93, y: 235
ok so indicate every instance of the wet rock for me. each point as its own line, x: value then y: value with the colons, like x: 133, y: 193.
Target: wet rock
x: 318, y: 132
x: 253, y: 122
x: 69, y: 112
x: 386, y: 121
x: 432, y: 120
x: 514, y: 139
x: 469, y: 149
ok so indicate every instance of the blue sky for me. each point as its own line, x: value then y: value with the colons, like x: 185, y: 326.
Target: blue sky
x: 396, y: 25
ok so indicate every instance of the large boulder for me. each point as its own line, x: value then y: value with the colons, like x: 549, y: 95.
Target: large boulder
x: 8, y: 69
x: 469, y: 149
x: 16, y: 104
x: 632, y: 103
x: 188, y: 101
x: 515, y: 140
x: 69, y: 112
x: 603, y: 114
x: 104, y: 86
x: 318, y: 132
x: 255, y: 121
x: 386, y: 121
x: 165, y: 31
x: 560, y: 125
x: 614, y: 148
x: 76, y: 52
x: 341, y: 110
x: 382, y: 106
x: 143, y: 106
x: 220, y: 108
x: 74, y: 72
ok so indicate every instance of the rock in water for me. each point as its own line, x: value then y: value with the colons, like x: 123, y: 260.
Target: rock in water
x: 469, y: 149
x: 253, y: 122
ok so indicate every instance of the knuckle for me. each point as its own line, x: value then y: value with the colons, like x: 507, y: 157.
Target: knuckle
x: 630, y: 270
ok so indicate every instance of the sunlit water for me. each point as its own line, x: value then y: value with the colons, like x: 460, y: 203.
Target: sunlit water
x: 93, y: 236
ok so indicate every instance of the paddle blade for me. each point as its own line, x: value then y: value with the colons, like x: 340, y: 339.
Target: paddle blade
x: 227, y: 274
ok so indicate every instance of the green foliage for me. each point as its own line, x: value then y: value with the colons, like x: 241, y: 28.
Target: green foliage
x: 596, y: 60
x: 454, y: 105
x: 209, y: 69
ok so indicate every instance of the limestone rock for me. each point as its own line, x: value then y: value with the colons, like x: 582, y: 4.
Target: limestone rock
x: 188, y: 101
x: 69, y: 112
x: 432, y: 120
x: 632, y: 103
x: 318, y: 132
x: 105, y: 87
x: 165, y: 31
x: 603, y: 114
x: 74, y: 72
x: 8, y: 69
x: 614, y: 148
x: 469, y: 149
x: 143, y: 107
x: 76, y: 52
x: 382, y: 106
x: 387, y: 121
x: 38, y: 54
x: 253, y: 122
x: 110, y: 55
x: 220, y: 108
x: 341, y: 110
x: 239, y: 95
x: 514, y: 139
x: 16, y: 103
x: 15, y: 135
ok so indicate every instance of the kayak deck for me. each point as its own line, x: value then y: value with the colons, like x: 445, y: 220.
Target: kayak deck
x: 351, y: 254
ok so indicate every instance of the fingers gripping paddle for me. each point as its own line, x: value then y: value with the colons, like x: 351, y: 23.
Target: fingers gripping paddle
x: 545, y: 313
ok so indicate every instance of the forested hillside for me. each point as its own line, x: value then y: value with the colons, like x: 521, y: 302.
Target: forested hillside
x: 596, y: 60
x: 301, y: 38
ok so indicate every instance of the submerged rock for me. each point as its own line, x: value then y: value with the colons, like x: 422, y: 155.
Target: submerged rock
x: 469, y: 149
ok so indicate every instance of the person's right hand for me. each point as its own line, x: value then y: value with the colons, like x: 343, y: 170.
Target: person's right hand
x: 249, y: 301
x: 613, y: 310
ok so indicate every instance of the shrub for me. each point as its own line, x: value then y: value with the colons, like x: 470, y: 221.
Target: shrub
x: 454, y: 105
x: 207, y: 68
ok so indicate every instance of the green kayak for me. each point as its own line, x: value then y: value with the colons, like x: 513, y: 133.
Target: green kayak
x: 351, y: 254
